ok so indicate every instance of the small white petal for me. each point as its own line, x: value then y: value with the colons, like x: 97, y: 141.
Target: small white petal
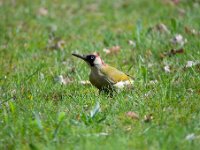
x: 107, y: 51
x: 167, y: 68
x: 190, y: 64
x: 190, y: 137
x: 41, y: 76
x: 178, y: 39
x: 60, y: 79
x: 86, y: 82
x: 132, y: 43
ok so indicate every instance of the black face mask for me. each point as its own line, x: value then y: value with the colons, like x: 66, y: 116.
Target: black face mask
x: 90, y: 59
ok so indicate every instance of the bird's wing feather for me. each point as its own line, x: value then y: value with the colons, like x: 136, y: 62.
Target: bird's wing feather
x: 113, y: 74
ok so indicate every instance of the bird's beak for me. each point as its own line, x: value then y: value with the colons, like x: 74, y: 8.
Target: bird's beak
x: 79, y: 56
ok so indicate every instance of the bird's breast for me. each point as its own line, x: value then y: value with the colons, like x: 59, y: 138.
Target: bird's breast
x: 98, y: 79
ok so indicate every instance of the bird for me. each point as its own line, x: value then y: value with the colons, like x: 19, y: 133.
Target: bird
x: 103, y: 76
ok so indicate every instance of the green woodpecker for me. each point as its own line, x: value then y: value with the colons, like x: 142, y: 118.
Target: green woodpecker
x: 103, y: 76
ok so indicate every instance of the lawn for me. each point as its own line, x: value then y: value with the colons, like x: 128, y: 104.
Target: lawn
x: 36, y: 42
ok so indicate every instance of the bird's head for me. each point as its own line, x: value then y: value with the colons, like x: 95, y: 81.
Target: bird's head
x: 92, y: 59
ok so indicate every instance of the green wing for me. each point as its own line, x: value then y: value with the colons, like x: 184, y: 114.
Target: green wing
x: 113, y: 74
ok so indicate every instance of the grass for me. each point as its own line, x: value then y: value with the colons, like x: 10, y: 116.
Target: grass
x: 38, y: 113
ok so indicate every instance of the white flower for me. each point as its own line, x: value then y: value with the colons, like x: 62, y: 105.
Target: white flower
x: 132, y: 43
x: 178, y: 39
x: 190, y: 137
x: 190, y: 64
x: 167, y: 68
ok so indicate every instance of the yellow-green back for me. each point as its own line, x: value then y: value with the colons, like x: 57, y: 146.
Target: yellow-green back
x: 113, y: 74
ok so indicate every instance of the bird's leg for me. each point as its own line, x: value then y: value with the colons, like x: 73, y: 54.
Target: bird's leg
x: 103, y: 91
x: 100, y: 91
x: 107, y: 91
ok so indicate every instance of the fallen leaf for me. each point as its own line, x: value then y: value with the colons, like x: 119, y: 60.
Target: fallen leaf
x: 132, y: 115
x: 61, y: 80
x: 148, y: 118
x: 60, y: 44
x: 181, y: 12
x: 172, y: 52
x: 55, y: 43
x: 191, y: 31
x: 115, y: 49
x: 42, y: 11
x: 112, y: 50
x: 92, y: 7
x: 162, y: 28
x: 172, y: 2
x: 178, y: 40
x: 176, y: 1
x: 85, y: 82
